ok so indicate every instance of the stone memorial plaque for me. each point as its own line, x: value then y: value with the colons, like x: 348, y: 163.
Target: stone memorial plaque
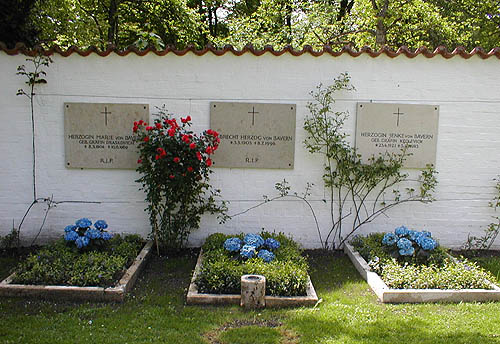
x: 384, y: 128
x: 100, y: 135
x: 254, y: 135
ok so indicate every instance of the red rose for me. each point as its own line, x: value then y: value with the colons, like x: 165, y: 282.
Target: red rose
x: 209, y: 150
x: 149, y: 128
x: 190, y: 169
x: 198, y: 155
x: 209, y: 132
x: 135, y: 129
x: 177, y: 159
x: 171, y: 176
x: 158, y: 125
x: 157, y: 157
x: 188, y: 118
x: 209, y: 162
x: 139, y: 161
x: 141, y: 122
x: 146, y: 139
x: 215, y: 133
x: 192, y: 145
x: 136, y: 124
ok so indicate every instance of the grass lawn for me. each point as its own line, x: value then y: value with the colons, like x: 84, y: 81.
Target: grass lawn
x: 155, y: 312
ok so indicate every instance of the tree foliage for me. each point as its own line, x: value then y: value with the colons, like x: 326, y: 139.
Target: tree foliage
x: 178, y: 23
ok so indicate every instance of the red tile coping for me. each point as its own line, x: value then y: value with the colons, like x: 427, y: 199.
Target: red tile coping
x: 459, y: 51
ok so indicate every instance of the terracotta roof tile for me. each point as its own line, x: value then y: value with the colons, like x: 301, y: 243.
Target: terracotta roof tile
x: 460, y: 51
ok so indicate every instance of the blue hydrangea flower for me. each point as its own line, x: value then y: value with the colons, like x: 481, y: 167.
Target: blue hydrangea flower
x: 401, y: 231
x: 407, y: 252
x: 100, y: 224
x: 266, y: 255
x: 427, y: 243
x: 82, y: 241
x: 93, y: 233
x: 426, y: 234
x: 247, y: 251
x: 390, y: 239
x: 272, y: 244
x: 70, y: 228
x: 233, y: 244
x: 71, y: 236
x: 415, y: 235
x: 254, y: 240
x: 404, y: 244
x: 84, y: 223
x: 106, y: 236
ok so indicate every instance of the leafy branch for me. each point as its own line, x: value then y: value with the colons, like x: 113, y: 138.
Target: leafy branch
x: 284, y: 191
x: 491, y: 232
x: 35, y: 77
x: 348, y: 179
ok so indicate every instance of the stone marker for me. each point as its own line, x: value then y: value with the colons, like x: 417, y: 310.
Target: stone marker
x: 100, y: 135
x: 384, y: 127
x: 254, y: 135
x: 253, y: 291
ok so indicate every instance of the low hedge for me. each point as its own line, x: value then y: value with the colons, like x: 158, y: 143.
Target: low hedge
x: 61, y: 264
x: 437, y: 270
x: 221, y: 270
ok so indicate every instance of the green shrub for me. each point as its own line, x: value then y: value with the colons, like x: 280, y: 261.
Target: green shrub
x: 435, y: 270
x: 451, y: 275
x: 97, y: 268
x: 221, y: 272
x: 60, y: 264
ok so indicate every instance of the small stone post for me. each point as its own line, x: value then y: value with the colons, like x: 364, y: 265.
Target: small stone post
x: 253, y: 291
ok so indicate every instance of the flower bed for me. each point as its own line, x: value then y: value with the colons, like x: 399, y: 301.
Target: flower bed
x: 224, y: 259
x: 89, y: 263
x: 410, y: 266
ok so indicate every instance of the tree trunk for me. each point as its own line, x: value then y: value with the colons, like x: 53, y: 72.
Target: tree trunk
x: 381, y: 28
x: 113, y: 22
x: 381, y: 33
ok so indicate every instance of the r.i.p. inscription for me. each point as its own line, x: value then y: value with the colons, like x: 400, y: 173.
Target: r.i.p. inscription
x: 100, y: 135
x: 254, y: 135
x: 383, y: 127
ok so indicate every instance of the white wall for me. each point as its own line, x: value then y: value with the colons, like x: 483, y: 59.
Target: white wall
x: 468, y: 155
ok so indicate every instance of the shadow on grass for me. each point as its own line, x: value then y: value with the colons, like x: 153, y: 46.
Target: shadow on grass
x: 313, y: 329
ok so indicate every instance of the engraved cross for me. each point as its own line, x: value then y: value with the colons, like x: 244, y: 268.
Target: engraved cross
x: 399, y: 114
x: 105, y: 112
x: 253, y: 112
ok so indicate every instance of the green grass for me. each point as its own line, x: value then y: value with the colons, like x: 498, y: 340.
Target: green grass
x: 155, y: 312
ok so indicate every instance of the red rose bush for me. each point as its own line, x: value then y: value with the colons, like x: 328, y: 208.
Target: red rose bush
x: 174, y: 164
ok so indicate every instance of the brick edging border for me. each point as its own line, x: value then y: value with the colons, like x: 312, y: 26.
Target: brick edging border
x: 388, y: 295
x: 196, y: 298
x: 116, y: 293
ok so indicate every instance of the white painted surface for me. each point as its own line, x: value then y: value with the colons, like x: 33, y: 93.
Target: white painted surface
x: 468, y: 153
